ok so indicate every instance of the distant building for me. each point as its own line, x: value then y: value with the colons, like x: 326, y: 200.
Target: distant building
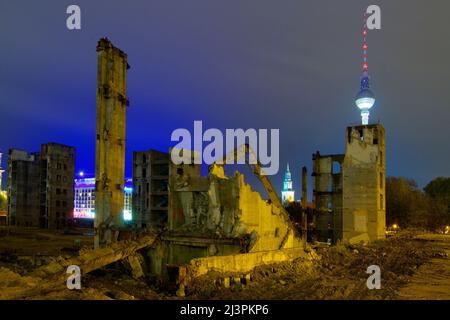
x: 40, y: 186
x: 150, y: 184
x: 287, y: 195
x: 23, y: 188
x: 128, y: 200
x: 84, y: 200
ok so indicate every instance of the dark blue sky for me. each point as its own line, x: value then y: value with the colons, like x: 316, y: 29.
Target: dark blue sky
x: 293, y: 65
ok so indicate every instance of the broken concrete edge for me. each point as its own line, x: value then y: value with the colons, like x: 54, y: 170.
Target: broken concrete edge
x: 239, y: 264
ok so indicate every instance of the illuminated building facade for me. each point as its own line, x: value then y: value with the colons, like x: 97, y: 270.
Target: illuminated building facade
x: 84, y: 201
x: 84, y: 204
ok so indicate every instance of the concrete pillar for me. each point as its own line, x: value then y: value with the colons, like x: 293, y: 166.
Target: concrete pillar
x: 110, y: 142
x: 304, y: 202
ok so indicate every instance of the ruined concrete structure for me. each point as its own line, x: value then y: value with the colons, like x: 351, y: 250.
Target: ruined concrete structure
x: 23, y: 188
x: 349, y: 190
x: 213, y: 222
x: 150, y: 188
x: 364, y: 183
x: 327, y: 196
x: 216, y: 215
x: 112, y: 102
x: 41, y: 186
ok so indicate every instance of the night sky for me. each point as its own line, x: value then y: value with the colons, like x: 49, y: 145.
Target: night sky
x: 293, y: 65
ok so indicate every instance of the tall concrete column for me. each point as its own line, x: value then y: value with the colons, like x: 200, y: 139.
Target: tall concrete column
x: 110, y: 141
x: 304, y: 201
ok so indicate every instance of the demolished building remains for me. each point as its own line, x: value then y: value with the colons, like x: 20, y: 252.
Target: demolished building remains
x: 349, y: 189
x: 197, y: 224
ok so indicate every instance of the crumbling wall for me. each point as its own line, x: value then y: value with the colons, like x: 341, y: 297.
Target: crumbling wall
x: 111, y: 104
x: 257, y: 216
x: 243, y: 263
x: 327, y: 181
x: 217, y: 216
x: 364, y: 211
x: 226, y: 207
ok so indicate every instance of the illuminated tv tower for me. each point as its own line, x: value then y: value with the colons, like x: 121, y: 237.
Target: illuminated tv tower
x: 365, y: 98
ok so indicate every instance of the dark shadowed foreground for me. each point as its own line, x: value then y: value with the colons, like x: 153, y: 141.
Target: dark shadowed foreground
x: 412, y: 267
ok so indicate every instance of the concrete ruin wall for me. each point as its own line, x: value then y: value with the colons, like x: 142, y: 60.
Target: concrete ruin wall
x: 228, y: 208
x: 265, y: 220
x: 349, y: 190
x: 150, y: 188
x: 244, y: 263
x: 327, y: 182
x: 364, y: 190
x: 216, y: 216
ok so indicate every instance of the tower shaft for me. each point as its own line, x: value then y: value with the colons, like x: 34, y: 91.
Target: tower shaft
x: 110, y: 141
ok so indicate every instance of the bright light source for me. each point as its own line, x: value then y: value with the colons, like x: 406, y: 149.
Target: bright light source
x: 127, y: 216
x: 84, y: 214
x: 365, y: 103
x: 394, y: 226
x: 81, y: 173
x: 128, y: 189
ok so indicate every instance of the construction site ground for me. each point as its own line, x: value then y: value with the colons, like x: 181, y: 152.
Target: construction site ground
x: 413, y: 266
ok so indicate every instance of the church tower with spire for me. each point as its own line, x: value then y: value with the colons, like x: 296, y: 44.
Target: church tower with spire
x: 287, y: 194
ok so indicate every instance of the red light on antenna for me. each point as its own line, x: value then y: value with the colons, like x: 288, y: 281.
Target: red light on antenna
x: 365, y: 46
x: 365, y: 66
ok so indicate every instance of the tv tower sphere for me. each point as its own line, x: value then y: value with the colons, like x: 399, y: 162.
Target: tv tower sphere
x: 365, y: 100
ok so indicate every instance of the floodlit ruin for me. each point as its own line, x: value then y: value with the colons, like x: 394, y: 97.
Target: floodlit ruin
x: 222, y: 224
x: 187, y: 225
x: 349, y: 189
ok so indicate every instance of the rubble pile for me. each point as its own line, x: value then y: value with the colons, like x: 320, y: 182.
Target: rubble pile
x: 340, y: 273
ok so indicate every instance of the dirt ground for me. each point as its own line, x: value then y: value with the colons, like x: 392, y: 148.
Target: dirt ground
x: 31, y: 241
x: 409, y: 264
x: 412, y: 267
x: 432, y: 280
x: 24, y: 249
